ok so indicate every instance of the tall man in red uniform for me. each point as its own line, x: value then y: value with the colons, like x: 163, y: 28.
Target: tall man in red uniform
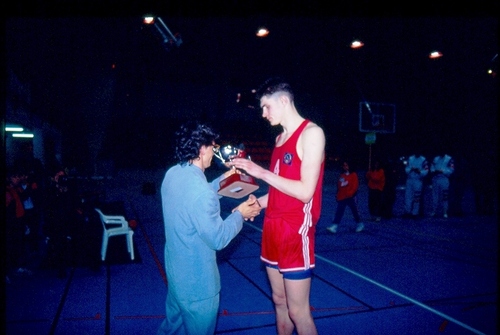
x: 293, y: 206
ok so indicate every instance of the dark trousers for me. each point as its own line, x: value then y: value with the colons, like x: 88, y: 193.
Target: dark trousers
x: 375, y: 202
x: 32, y: 222
x: 342, y: 204
x: 14, y: 242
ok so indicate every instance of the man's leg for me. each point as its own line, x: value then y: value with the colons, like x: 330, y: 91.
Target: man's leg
x: 299, y: 310
x: 352, y: 203
x: 284, y: 324
x: 417, y: 197
x: 445, y: 195
x: 339, y: 214
x: 435, y: 196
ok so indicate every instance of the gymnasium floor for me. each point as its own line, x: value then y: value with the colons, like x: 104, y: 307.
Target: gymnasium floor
x: 398, y: 276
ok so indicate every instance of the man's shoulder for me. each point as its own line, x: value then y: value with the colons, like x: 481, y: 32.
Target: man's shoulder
x: 312, y: 130
x: 312, y: 125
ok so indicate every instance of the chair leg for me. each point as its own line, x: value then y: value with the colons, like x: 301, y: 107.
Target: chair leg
x: 130, y: 244
x: 104, y: 246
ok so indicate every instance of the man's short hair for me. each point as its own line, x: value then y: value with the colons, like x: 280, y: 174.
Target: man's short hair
x: 273, y: 85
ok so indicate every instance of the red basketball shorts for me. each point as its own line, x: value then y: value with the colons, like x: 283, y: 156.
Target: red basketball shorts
x: 288, y: 246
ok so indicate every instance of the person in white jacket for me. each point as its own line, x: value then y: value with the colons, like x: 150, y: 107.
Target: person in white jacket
x: 416, y: 170
x: 441, y: 168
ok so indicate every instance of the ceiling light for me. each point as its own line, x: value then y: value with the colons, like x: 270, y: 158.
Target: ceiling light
x: 166, y: 35
x: 25, y: 135
x: 149, y: 20
x: 12, y: 128
x: 356, y: 44
x: 435, y: 54
x: 262, y: 32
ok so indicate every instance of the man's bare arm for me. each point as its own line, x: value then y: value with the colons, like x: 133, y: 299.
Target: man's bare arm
x: 312, y: 146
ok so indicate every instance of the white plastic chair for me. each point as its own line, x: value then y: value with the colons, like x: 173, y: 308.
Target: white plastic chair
x: 115, y: 225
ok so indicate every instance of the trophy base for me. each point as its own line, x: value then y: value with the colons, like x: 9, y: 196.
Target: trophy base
x: 237, y: 186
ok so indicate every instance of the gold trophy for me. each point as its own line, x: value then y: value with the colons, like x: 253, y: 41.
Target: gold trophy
x: 236, y: 185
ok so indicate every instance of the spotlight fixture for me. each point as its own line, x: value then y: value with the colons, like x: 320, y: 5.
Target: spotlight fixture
x: 168, y: 39
x: 435, y: 54
x: 262, y: 32
x: 356, y: 44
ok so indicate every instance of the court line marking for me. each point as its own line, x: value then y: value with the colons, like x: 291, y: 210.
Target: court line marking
x: 418, y: 303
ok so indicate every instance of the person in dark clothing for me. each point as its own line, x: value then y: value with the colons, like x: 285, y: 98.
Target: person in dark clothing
x: 61, y: 216
x: 376, y: 184
x: 14, y: 227
x: 29, y: 193
x: 347, y: 191
x: 389, y: 192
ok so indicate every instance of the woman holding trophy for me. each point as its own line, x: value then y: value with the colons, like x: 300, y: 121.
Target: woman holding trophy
x: 194, y: 231
x: 293, y: 205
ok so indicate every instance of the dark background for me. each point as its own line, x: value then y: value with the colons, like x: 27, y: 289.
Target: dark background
x: 117, y: 92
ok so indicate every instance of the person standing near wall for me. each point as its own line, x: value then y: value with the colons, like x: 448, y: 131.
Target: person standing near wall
x: 376, y: 184
x: 347, y: 190
x: 442, y: 167
x: 416, y: 170
x: 15, y: 229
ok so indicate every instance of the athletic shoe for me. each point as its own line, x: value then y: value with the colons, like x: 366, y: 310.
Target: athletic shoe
x: 378, y: 219
x: 445, y: 215
x: 333, y: 228
x: 360, y: 227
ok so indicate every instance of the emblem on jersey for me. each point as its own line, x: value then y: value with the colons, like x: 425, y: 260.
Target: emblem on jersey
x: 287, y: 158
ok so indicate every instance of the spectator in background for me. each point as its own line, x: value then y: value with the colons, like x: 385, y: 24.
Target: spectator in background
x: 15, y: 228
x: 30, y: 198
x: 347, y: 189
x: 416, y: 170
x: 441, y: 168
x: 376, y: 183
x: 34, y: 169
x: 389, y: 192
x: 59, y: 227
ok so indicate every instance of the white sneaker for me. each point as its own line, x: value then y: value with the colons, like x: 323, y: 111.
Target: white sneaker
x: 360, y: 227
x: 445, y: 215
x: 333, y: 228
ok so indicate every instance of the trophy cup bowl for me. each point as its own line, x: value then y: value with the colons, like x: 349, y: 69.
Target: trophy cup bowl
x: 236, y: 185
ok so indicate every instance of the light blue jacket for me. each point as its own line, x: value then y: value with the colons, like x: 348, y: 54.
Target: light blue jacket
x: 194, y: 231
x: 419, y: 163
x: 445, y: 164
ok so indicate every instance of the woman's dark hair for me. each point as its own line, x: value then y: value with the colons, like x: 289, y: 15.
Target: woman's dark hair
x: 189, y: 139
